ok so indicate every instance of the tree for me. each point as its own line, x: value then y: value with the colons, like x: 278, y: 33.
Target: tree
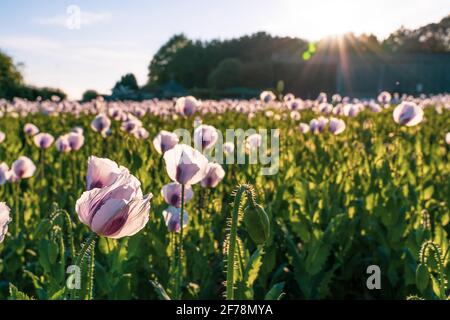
x: 157, y: 69
x: 89, y: 95
x: 227, y: 74
x: 128, y: 81
x: 10, y: 77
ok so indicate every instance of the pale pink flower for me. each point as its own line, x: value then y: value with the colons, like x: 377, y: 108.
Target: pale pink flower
x: 318, y: 125
x: 164, y: 141
x: 267, y: 96
x: 447, y: 138
x: 43, y: 140
x: 337, y: 126
x: 4, y: 173
x: 187, y: 105
x: 101, y: 124
x: 141, y: 133
x: 295, y: 104
x: 131, y: 125
x: 304, y: 127
x: 228, y: 148
x: 5, y: 219
x: 116, y: 210
x: 288, y: 97
x: 408, y: 114
x: 295, y: 115
x: 214, y: 174
x: 2, y: 137
x: 30, y: 129
x: 172, y: 194
x: 62, y: 144
x: 78, y: 130
x: 172, y: 218
x: 253, y: 142
x: 185, y: 165
x: 384, y: 97
x: 102, y: 172
x: 322, y: 98
x: 23, y: 168
x: 205, y: 137
x: 76, y: 140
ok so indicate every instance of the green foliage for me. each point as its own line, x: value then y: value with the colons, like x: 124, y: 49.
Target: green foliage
x: 89, y: 95
x: 227, y: 74
x: 337, y: 205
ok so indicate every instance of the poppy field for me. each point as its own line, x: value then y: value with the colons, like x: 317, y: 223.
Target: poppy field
x: 153, y: 200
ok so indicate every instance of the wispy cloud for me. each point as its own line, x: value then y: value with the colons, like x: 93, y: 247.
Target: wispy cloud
x: 77, y: 65
x: 87, y: 19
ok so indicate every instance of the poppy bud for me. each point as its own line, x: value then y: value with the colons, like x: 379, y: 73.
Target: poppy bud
x: 422, y: 277
x: 257, y: 223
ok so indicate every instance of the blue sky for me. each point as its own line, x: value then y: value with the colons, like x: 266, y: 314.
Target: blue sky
x: 116, y: 37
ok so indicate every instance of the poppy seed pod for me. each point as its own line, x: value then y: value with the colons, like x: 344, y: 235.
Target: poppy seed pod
x: 257, y: 223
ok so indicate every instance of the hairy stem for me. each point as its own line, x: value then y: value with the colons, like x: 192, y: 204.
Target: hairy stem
x: 84, y: 250
x: 232, y: 244
x: 180, y: 249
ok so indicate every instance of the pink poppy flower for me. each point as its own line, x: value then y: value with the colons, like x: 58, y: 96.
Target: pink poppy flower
x: 102, y: 172
x: 267, y: 96
x: 205, y: 137
x: 214, y: 174
x: 101, y: 124
x: 141, y: 133
x: 76, y: 140
x: 172, y: 218
x: 116, y: 210
x: 304, y: 127
x: 253, y: 142
x: 172, y: 194
x: 164, y: 141
x: 43, y: 140
x: 228, y: 148
x: 187, y: 105
x: 30, y: 129
x: 408, y: 114
x: 62, y: 144
x: 185, y: 165
x: 4, y: 173
x: 23, y: 168
x: 337, y: 126
x: 5, y: 219
x: 384, y: 97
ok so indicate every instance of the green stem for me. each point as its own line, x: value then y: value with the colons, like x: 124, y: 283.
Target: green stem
x: 69, y: 229
x: 16, y: 187
x: 84, y: 250
x: 91, y: 271
x: 179, y: 275
x: 232, y: 244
